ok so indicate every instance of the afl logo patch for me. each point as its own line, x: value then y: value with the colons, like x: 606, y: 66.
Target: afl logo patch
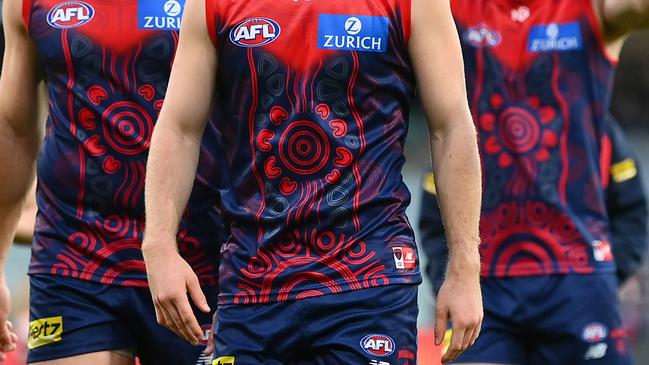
x: 378, y: 345
x: 71, y: 14
x: 255, y: 32
x: 482, y: 36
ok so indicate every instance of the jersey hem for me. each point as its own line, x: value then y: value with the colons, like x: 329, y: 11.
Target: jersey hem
x: 501, y: 272
x: 411, y: 279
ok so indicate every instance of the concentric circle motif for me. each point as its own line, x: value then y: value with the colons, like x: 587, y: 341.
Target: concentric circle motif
x: 304, y: 147
x: 127, y: 127
x: 519, y: 132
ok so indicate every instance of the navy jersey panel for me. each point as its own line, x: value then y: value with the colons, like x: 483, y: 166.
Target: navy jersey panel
x: 559, y: 320
x: 314, y: 141
x: 539, y: 85
x: 107, y: 65
x: 71, y: 317
x: 626, y: 201
x: 376, y: 326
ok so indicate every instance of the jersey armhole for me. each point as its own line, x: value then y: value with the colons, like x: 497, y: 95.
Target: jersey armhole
x: 210, y: 14
x: 596, y: 26
x: 406, y: 18
x: 26, y: 12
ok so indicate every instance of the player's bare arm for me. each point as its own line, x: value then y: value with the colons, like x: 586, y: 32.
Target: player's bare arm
x: 171, y: 170
x: 619, y: 17
x: 20, y: 136
x: 27, y: 221
x: 437, y: 59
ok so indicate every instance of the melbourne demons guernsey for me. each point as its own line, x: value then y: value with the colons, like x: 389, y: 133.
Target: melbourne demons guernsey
x: 539, y: 85
x: 107, y: 64
x: 315, y: 97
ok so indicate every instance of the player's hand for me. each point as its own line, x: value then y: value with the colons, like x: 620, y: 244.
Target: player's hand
x: 170, y: 280
x: 7, y: 336
x: 459, y: 301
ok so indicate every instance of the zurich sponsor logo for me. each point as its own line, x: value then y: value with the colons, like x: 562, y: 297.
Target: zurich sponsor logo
x: 70, y: 14
x: 378, y: 345
x: 555, y: 37
x: 595, y: 332
x: 255, y: 32
x: 482, y: 36
x: 353, y: 32
x: 160, y: 14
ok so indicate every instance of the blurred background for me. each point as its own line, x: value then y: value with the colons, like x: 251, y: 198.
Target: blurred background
x: 630, y: 106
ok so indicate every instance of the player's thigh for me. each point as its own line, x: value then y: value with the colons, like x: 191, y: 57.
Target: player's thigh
x: 375, y: 326
x: 501, y: 340
x: 494, y: 347
x: 257, y: 334
x: 71, y: 317
x: 95, y: 358
x: 586, y: 328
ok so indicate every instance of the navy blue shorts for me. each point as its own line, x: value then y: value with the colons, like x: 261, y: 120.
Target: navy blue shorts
x: 376, y: 326
x: 70, y: 317
x: 554, y: 320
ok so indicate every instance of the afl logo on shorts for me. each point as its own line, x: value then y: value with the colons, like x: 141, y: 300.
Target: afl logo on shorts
x: 378, y: 345
x: 70, y: 14
x: 255, y: 32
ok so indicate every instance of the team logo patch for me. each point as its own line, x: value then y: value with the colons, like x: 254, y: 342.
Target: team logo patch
x: 45, y: 331
x: 378, y: 345
x: 353, y: 32
x: 482, y: 36
x: 555, y: 37
x: 160, y: 14
x: 207, y: 333
x: 70, y: 14
x: 521, y: 14
x: 255, y: 32
x: 404, y: 258
x: 226, y: 360
x: 595, y: 332
x: 602, y: 251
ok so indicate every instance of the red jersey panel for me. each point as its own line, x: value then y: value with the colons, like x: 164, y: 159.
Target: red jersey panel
x: 315, y: 97
x: 539, y: 86
x: 107, y: 66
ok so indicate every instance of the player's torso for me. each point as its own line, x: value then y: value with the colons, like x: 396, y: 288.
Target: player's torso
x: 539, y: 86
x: 316, y: 97
x: 107, y: 65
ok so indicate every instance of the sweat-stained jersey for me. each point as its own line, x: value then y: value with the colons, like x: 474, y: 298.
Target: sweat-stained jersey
x: 539, y: 86
x: 107, y: 65
x: 315, y: 98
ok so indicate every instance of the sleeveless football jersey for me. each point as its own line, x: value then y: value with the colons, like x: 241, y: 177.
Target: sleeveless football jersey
x: 539, y: 86
x: 107, y: 65
x: 316, y: 97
